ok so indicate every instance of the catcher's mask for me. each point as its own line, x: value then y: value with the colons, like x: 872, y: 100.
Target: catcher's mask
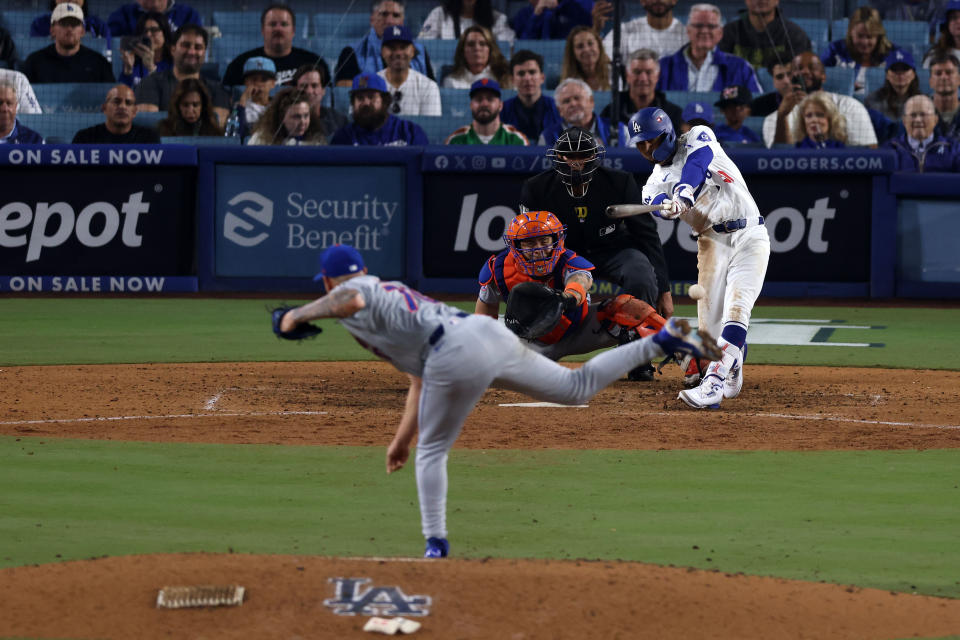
x: 538, y: 258
x: 576, y: 155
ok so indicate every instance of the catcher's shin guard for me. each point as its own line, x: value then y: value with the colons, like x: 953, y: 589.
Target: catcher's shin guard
x: 629, y: 318
x: 693, y: 370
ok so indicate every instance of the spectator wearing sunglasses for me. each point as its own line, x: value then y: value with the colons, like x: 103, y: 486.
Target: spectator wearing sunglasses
x: 411, y: 92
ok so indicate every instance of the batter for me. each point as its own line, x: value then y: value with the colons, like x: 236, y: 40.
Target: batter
x: 451, y: 358
x: 697, y: 182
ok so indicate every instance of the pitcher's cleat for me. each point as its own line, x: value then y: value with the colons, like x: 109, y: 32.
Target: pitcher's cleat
x: 437, y: 548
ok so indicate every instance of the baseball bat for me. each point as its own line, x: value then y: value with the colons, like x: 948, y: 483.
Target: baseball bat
x: 627, y: 210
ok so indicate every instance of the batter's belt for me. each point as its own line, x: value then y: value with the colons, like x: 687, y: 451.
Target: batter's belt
x: 729, y: 226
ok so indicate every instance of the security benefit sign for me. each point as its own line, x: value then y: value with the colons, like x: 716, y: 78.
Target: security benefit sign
x: 819, y: 227
x: 464, y: 217
x: 273, y: 221
x: 95, y: 221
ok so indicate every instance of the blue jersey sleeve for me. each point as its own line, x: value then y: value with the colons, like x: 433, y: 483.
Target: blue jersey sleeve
x: 695, y: 168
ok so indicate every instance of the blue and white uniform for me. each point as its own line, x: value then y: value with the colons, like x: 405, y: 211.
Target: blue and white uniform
x: 458, y: 356
x: 733, y: 246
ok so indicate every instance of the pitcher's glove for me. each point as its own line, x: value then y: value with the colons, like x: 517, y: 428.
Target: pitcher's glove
x: 300, y: 332
x: 533, y: 309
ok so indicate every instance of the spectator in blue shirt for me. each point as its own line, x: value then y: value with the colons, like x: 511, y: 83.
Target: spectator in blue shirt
x: 920, y: 149
x: 530, y: 110
x: 365, y: 56
x: 373, y: 124
x: 735, y: 103
x: 575, y: 104
x: 123, y: 21
x: 866, y: 45
x: 11, y: 131
x: 700, y: 65
x: 97, y: 28
x: 820, y: 125
x: 551, y: 19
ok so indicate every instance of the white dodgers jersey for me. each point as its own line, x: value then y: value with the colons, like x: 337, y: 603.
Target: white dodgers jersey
x: 724, y: 194
x: 397, y: 322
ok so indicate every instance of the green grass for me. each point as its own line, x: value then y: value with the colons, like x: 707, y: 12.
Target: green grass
x: 124, y: 330
x: 875, y: 519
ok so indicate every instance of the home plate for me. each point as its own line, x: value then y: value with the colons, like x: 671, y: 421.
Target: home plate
x: 541, y: 405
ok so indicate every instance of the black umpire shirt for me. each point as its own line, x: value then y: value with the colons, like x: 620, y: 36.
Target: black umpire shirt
x: 589, y: 230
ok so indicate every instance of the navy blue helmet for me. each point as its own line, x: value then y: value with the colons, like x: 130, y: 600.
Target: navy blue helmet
x: 651, y: 123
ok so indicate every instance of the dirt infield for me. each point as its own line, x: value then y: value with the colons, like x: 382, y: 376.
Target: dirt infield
x: 781, y: 408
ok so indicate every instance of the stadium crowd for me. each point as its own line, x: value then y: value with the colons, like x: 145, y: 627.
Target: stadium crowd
x: 468, y: 72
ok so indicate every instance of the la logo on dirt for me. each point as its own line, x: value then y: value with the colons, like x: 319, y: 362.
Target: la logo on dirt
x: 353, y: 598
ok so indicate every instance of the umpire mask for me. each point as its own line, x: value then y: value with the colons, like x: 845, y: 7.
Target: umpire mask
x: 576, y: 155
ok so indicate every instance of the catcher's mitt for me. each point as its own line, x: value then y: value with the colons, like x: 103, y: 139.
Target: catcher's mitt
x: 533, y: 309
x: 300, y: 332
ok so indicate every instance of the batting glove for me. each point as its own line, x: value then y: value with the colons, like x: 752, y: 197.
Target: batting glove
x: 672, y: 208
x: 683, y: 193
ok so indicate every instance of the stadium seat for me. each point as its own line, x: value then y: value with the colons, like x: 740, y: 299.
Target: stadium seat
x: 199, y: 141
x: 342, y: 25
x: 904, y: 33
x: 59, y: 127
x: 26, y: 46
x: 816, y: 28
x: 17, y: 22
x: 247, y: 23
x: 440, y: 52
x: 754, y: 123
x: 683, y: 98
x: 339, y: 98
x: 765, y: 79
x: 437, y: 129
x: 455, y: 102
x: 148, y: 118
x: 600, y: 100
x: 330, y: 47
x: 874, y: 78
x: 839, y: 80
x: 85, y: 97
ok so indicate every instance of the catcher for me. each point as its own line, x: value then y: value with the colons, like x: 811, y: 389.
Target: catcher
x: 545, y: 286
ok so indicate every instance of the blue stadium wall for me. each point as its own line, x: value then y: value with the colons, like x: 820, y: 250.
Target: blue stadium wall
x: 171, y: 218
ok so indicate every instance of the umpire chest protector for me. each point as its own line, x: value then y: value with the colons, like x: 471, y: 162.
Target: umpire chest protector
x: 588, y: 228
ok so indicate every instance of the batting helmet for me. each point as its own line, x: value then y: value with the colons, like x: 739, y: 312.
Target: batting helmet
x: 576, y: 155
x: 651, y: 123
x: 535, y: 259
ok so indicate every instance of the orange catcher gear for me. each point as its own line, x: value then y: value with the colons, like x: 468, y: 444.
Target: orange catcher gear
x: 631, y: 315
x: 539, y: 260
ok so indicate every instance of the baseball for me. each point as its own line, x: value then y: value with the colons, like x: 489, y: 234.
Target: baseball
x: 696, y: 292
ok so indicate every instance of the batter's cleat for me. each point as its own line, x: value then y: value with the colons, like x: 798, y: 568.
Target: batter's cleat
x: 678, y: 337
x: 707, y: 396
x: 437, y: 548
x: 734, y: 380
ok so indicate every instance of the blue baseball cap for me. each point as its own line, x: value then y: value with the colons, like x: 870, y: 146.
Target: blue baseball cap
x: 900, y: 56
x: 485, y: 84
x: 339, y: 260
x: 397, y: 33
x: 368, y: 81
x: 698, y: 111
x: 259, y: 64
